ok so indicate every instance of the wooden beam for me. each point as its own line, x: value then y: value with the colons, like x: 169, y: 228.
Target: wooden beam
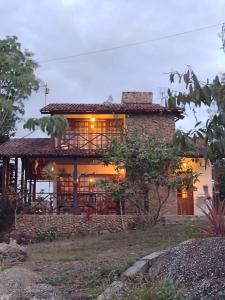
x: 75, y: 199
x: 5, y: 177
x: 16, y: 174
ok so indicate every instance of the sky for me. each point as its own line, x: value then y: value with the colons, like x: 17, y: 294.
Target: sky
x: 54, y: 29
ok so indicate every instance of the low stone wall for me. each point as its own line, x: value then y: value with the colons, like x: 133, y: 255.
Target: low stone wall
x: 72, y: 224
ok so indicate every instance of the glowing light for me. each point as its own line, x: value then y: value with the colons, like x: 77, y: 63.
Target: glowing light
x: 92, y: 126
x: 93, y: 119
x: 184, y: 194
x: 184, y: 165
x: 91, y: 180
x: 52, y: 169
x: 122, y: 171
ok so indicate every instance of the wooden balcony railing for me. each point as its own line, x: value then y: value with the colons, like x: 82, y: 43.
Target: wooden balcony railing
x: 87, y: 141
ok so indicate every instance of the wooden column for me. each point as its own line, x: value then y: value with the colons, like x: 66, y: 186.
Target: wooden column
x: 25, y: 180
x: 75, y: 200
x: 16, y: 174
x: 30, y: 181
x: 5, y: 177
x: 22, y: 178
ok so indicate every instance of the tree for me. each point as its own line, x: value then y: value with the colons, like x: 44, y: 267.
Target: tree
x: 211, y: 95
x: 208, y: 94
x: 17, y: 81
x: 54, y: 125
x: 152, y: 172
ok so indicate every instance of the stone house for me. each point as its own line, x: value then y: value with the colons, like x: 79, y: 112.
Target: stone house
x: 59, y: 176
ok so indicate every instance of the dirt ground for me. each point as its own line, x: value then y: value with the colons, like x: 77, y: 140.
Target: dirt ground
x: 80, y: 268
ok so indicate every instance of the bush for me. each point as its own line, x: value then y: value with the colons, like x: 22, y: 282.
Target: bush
x: 6, y: 215
x: 156, y: 291
x: 215, y: 215
x: 50, y: 234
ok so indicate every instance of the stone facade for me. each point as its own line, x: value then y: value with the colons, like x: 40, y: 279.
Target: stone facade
x: 74, y: 224
x: 137, y: 97
x: 162, y: 125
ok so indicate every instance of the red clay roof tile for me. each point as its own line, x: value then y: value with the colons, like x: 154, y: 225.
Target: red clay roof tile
x: 129, y: 108
x: 39, y: 147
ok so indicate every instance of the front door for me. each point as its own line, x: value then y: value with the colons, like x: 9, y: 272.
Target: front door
x: 185, y: 201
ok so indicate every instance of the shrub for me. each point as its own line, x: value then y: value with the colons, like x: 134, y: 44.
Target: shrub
x: 50, y: 234
x: 6, y: 215
x: 215, y: 215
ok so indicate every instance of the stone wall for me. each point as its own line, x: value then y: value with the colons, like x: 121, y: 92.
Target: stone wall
x: 72, y: 224
x: 137, y: 97
x: 162, y: 125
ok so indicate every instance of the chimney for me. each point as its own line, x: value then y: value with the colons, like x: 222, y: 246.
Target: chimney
x: 137, y: 97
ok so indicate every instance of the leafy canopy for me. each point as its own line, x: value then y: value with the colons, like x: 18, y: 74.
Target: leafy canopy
x: 17, y: 81
x: 54, y: 125
x: 151, y: 167
x: 202, y: 94
x: 198, y: 93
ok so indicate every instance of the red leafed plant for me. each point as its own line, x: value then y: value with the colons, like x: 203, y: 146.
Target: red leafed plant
x: 215, y: 214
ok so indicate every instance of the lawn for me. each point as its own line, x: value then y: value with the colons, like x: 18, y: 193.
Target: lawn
x: 82, y: 267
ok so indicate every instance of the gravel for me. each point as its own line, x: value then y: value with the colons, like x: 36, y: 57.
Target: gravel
x: 198, y: 265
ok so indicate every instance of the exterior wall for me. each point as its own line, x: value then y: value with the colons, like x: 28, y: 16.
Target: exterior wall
x: 73, y: 224
x: 205, y: 179
x: 137, y: 97
x: 158, y: 125
x: 162, y: 126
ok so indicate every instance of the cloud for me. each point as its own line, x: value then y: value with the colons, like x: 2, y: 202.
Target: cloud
x: 60, y: 28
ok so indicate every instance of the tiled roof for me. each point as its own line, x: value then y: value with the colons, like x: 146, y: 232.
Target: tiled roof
x: 39, y: 147
x: 129, y: 108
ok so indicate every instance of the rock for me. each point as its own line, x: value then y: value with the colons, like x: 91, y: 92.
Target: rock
x: 111, y: 290
x: 12, y: 252
x: 20, y: 283
x: 154, y: 255
x: 140, y: 266
x: 22, y: 237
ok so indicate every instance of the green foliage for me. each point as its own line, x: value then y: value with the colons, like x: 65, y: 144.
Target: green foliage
x: 155, y: 291
x: 149, y: 164
x: 54, y: 125
x: 50, y: 235
x: 215, y: 215
x: 192, y: 231
x: 116, y: 188
x: 198, y: 94
x: 17, y: 81
x: 6, y: 215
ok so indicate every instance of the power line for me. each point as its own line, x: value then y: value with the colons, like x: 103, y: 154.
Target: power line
x: 131, y: 44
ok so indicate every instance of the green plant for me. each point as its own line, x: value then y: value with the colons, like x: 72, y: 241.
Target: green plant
x: 6, y: 215
x: 155, y: 291
x: 192, y: 232
x: 153, y: 168
x: 50, y: 234
x: 215, y: 214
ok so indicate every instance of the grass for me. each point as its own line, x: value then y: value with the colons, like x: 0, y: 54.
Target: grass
x: 154, y: 291
x: 88, y: 264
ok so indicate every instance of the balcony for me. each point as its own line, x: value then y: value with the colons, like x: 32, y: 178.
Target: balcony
x: 87, y: 141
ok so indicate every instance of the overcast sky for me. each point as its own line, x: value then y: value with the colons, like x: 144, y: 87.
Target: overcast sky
x: 59, y: 28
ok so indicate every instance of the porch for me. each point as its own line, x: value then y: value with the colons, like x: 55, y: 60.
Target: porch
x: 57, y: 186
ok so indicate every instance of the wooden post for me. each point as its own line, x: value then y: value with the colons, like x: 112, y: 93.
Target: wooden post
x: 22, y: 178
x: 16, y: 174
x: 30, y: 182
x: 5, y: 177
x: 75, y: 200
x: 25, y: 181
